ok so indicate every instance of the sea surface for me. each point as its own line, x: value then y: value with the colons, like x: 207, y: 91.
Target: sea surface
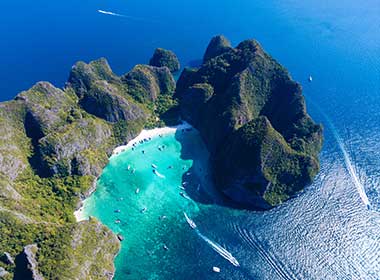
x: 330, y: 231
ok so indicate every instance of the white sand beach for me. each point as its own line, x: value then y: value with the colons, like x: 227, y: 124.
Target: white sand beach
x: 149, y: 134
x: 144, y: 135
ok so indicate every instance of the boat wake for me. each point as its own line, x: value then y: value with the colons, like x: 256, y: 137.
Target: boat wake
x: 158, y: 174
x: 347, y: 160
x: 110, y: 13
x: 125, y: 16
x: 275, y: 264
x: 219, y: 249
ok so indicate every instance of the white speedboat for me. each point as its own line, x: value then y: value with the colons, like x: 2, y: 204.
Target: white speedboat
x: 310, y: 78
x: 185, y: 195
x: 216, y: 269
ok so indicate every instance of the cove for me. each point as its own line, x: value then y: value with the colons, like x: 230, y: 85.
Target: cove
x: 143, y: 195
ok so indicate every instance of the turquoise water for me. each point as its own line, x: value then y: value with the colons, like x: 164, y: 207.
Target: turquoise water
x: 325, y: 233
x: 148, y: 209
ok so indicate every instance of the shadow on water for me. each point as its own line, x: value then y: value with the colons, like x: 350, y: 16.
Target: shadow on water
x: 198, y: 181
x: 195, y: 180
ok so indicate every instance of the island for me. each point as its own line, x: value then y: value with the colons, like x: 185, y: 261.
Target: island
x: 55, y: 143
x: 252, y: 116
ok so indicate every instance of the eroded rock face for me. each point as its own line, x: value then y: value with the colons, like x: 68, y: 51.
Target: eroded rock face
x: 53, y: 144
x: 102, y: 93
x: 7, y: 258
x: 26, y: 264
x: 165, y: 58
x: 253, y: 118
x: 218, y: 45
x: 72, y: 150
x: 145, y: 83
x: 3, y: 272
x: 47, y: 108
x: 94, y: 247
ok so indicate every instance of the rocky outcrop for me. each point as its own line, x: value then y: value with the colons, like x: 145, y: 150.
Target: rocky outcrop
x: 252, y: 116
x: 165, y: 58
x: 82, y: 148
x: 218, y: 45
x: 7, y: 259
x: 101, y: 92
x: 94, y: 249
x: 145, y: 83
x: 3, y: 272
x: 54, y: 143
x: 47, y: 108
x: 26, y: 264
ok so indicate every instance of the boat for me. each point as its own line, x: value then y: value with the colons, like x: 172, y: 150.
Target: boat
x: 143, y: 210
x: 137, y: 190
x: 182, y: 188
x: 117, y: 221
x: 165, y: 247
x: 185, y: 195
x: 154, y: 166
x: 216, y: 269
x: 190, y: 221
x: 310, y: 78
x: 120, y: 237
x: 117, y: 211
x: 158, y: 174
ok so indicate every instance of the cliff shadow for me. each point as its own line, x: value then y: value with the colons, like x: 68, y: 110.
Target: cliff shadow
x: 198, y: 182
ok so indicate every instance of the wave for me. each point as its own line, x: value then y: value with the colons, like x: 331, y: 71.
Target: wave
x: 219, y: 249
x: 276, y: 265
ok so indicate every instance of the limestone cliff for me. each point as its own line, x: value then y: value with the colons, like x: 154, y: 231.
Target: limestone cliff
x: 252, y: 116
x: 53, y: 144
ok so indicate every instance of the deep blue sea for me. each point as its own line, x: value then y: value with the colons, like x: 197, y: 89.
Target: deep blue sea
x: 327, y: 232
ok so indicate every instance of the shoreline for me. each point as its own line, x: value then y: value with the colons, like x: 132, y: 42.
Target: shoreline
x: 147, y: 134
x: 144, y: 135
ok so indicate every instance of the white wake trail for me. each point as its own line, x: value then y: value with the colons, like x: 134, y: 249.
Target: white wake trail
x: 219, y: 249
x: 347, y: 160
x: 110, y: 13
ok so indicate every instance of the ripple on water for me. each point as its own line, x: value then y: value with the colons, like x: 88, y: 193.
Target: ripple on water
x: 324, y: 233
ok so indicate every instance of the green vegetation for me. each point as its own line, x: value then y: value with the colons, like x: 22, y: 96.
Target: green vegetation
x: 165, y: 58
x: 55, y: 144
x: 253, y: 118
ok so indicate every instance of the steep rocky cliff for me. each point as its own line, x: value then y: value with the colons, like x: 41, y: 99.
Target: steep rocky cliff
x: 162, y: 57
x: 252, y: 116
x: 53, y: 144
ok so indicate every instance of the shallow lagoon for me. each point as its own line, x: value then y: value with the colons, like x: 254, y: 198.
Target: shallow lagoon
x: 148, y: 209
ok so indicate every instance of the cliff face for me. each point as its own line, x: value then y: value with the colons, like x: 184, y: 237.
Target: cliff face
x: 53, y: 144
x: 162, y: 57
x: 253, y: 118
